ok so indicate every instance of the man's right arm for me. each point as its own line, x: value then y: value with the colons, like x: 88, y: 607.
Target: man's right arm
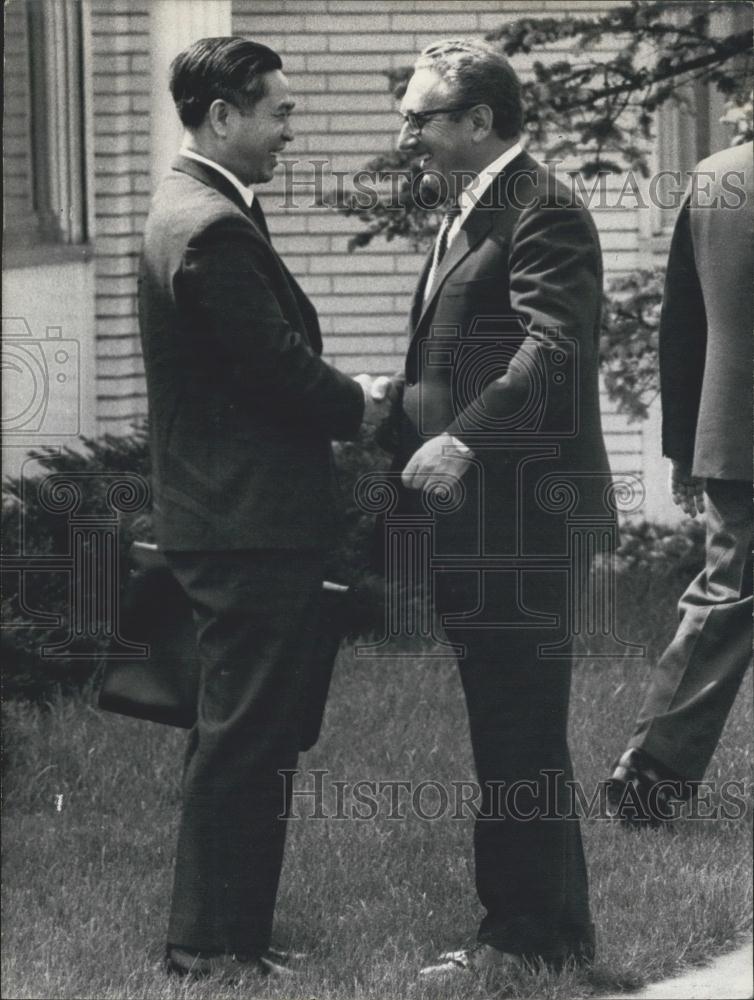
x: 225, y: 279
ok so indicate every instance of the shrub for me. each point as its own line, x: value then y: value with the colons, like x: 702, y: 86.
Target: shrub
x: 629, y: 360
x: 665, y: 556
x: 36, y: 605
x: 356, y: 559
x: 37, y: 612
x: 675, y: 554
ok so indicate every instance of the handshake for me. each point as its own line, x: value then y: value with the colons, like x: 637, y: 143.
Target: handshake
x: 380, y: 394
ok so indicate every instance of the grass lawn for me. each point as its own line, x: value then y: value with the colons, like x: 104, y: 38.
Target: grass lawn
x: 91, y: 809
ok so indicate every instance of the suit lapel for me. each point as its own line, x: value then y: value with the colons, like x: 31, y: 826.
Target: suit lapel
x: 255, y: 215
x: 471, y: 233
x: 212, y: 178
x: 476, y: 226
x: 417, y: 303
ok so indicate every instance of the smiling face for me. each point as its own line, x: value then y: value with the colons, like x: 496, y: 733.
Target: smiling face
x: 444, y: 144
x: 253, y: 138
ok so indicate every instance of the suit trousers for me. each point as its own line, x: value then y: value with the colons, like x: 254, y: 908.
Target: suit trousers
x: 698, y: 676
x: 252, y: 611
x: 530, y: 870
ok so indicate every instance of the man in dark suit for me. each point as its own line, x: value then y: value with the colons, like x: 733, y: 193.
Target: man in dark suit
x: 501, y: 394
x: 242, y: 412
x: 705, y: 380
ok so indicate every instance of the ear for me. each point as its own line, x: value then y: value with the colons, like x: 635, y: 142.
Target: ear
x: 217, y: 116
x: 481, y: 121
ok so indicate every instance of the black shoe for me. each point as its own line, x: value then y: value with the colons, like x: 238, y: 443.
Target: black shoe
x: 468, y: 962
x: 286, y: 956
x: 481, y: 958
x: 228, y: 967
x: 641, y: 791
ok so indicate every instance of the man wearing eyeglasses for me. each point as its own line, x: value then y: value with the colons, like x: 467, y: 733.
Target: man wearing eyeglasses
x: 501, y: 396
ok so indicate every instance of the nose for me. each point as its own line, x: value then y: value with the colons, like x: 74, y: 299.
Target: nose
x: 288, y: 132
x: 406, y: 139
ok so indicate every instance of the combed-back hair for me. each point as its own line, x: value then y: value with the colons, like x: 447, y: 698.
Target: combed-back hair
x: 228, y: 68
x: 478, y: 73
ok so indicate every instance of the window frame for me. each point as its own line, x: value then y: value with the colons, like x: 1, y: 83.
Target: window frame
x: 57, y: 224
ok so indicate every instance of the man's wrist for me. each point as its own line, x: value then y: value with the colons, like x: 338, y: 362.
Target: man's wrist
x: 461, y: 448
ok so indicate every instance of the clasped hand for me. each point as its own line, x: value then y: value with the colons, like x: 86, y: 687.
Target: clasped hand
x: 379, y: 394
x: 440, y: 458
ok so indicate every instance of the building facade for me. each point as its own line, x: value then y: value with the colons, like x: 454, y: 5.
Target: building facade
x: 89, y: 127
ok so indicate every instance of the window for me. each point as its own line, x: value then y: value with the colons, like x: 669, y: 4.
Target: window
x: 44, y: 199
x: 689, y: 127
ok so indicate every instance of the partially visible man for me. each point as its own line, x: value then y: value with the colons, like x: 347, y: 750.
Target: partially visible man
x: 242, y: 411
x: 501, y: 394
x: 706, y: 387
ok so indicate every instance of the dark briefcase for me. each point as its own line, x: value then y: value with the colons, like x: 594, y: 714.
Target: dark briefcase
x: 161, y: 684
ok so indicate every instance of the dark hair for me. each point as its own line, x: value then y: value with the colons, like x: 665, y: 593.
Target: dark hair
x: 228, y: 68
x: 478, y: 74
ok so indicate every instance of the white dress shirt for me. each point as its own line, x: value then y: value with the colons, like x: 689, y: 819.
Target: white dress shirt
x: 247, y: 193
x: 475, y: 189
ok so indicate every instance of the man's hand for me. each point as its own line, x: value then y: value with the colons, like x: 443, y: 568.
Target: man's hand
x: 440, y: 457
x: 377, y: 397
x: 686, y: 490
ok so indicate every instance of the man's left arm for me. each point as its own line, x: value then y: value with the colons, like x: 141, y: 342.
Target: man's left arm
x: 555, y: 288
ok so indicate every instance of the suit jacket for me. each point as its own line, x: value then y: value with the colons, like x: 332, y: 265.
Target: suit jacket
x: 504, y: 352
x: 707, y: 322
x: 242, y: 408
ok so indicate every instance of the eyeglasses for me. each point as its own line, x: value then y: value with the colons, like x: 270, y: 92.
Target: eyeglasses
x: 416, y: 120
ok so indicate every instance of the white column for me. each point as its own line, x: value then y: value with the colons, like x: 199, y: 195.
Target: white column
x: 175, y: 24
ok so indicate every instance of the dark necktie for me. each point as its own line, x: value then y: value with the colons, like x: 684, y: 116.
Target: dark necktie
x: 441, y: 245
x: 257, y: 215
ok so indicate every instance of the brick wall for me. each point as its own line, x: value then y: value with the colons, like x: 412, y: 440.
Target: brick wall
x: 121, y: 85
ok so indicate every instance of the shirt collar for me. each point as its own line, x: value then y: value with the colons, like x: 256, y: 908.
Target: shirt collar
x: 474, y: 191
x: 247, y: 193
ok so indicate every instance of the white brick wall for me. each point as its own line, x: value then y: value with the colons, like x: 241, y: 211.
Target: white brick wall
x: 121, y: 88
